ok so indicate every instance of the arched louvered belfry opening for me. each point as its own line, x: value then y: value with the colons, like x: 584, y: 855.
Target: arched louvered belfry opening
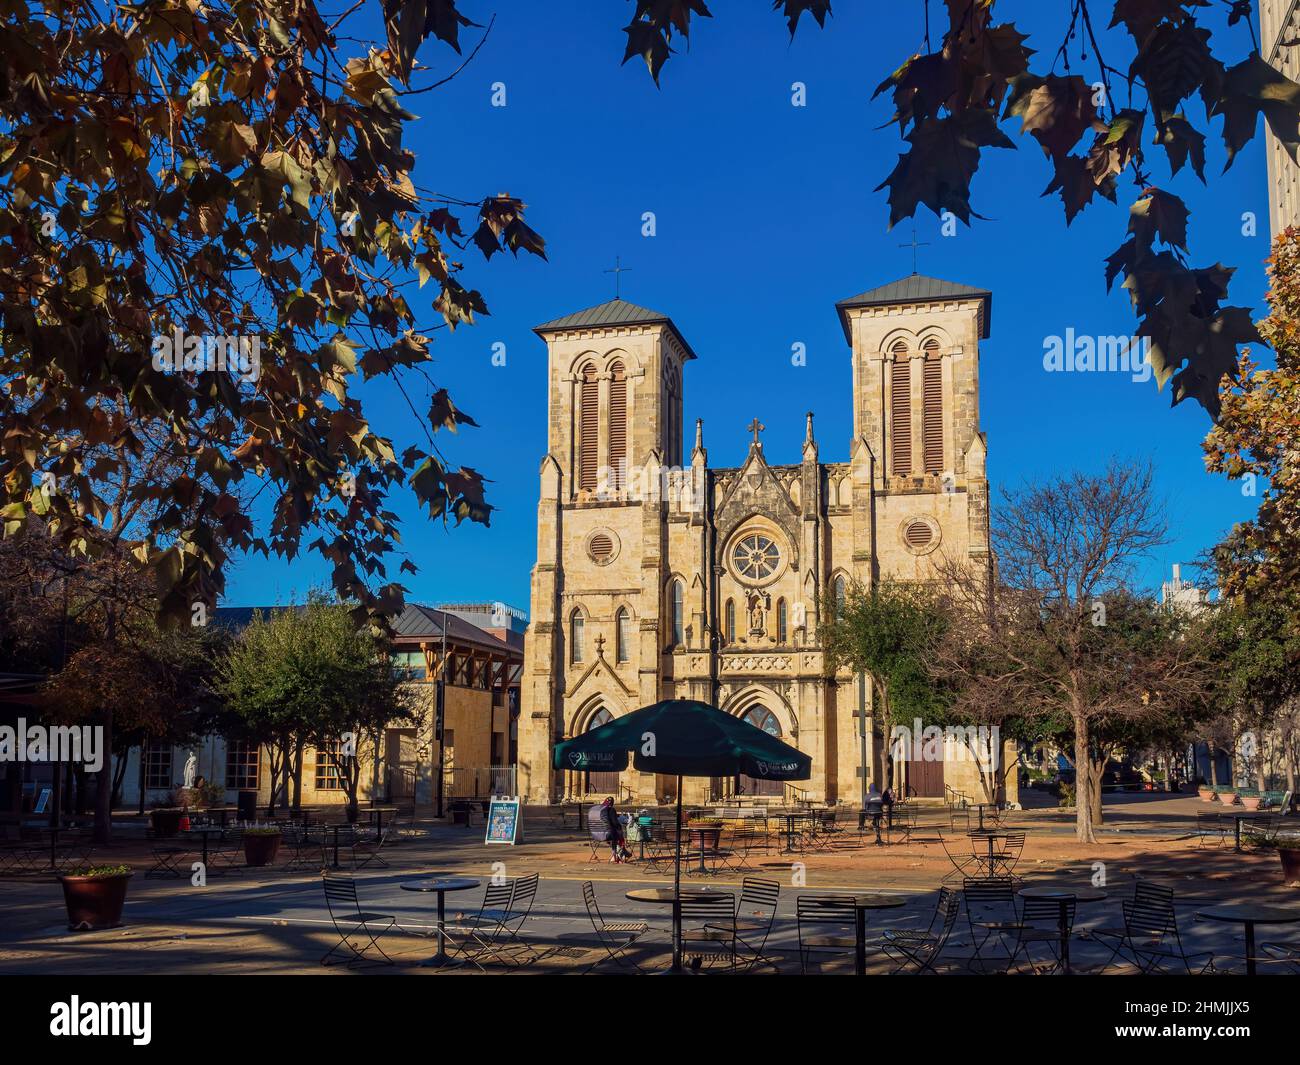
x: 932, y: 408
x: 588, y: 427
x: 618, y: 424
x: 900, y: 411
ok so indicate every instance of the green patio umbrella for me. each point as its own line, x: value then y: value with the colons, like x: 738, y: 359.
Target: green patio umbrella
x: 683, y: 738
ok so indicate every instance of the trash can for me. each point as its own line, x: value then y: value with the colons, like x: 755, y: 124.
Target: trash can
x: 247, y: 804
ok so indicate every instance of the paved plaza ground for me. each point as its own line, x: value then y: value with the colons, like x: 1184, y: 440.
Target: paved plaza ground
x: 269, y: 921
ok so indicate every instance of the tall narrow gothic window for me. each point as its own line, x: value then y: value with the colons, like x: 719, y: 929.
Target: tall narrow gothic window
x: 780, y: 621
x: 729, y: 622
x: 932, y: 410
x: 839, y: 591
x: 588, y: 428
x: 618, y: 424
x: 900, y: 412
x: 679, y: 631
x: 576, y: 624
x: 622, y: 635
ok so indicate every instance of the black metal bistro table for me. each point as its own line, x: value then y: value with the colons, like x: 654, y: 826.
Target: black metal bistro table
x: 336, y: 828
x: 861, y: 904
x: 1062, y: 899
x: 790, y: 830
x: 377, y: 814
x: 440, y: 885
x: 1238, y: 816
x: 205, y: 831
x: 990, y: 834
x: 664, y: 896
x: 1249, y: 915
x: 981, y: 807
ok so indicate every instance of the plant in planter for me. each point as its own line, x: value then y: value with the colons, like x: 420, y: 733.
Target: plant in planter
x: 1286, y: 841
x: 1250, y: 798
x: 261, y: 845
x: 94, y: 896
x: 706, y: 832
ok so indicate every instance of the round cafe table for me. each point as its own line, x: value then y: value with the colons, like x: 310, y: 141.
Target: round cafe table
x: 664, y: 895
x: 1062, y: 899
x: 861, y: 904
x: 440, y: 885
x: 1249, y: 915
x: 990, y: 834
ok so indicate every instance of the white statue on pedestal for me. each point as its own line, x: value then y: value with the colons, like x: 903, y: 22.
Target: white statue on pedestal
x: 191, y: 769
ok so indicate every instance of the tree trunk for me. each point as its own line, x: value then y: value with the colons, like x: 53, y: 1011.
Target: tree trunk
x: 299, y: 746
x: 1082, y: 785
x: 1214, y: 765
x: 1096, y: 774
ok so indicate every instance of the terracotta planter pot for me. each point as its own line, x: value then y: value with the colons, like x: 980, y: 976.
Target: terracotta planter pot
x: 165, y: 823
x: 1206, y: 795
x: 261, y: 850
x: 94, y: 902
x: 1290, y: 857
x: 1228, y: 798
x: 706, y: 838
x: 1251, y: 802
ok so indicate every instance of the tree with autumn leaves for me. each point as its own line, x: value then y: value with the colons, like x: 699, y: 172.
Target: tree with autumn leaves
x: 228, y: 170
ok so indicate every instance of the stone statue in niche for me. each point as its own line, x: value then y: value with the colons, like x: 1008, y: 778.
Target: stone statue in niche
x: 758, y: 604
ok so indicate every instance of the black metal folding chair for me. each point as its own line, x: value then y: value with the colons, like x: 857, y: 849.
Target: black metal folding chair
x: 992, y: 915
x: 1006, y: 857
x: 1287, y: 955
x: 827, y: 924
x: 616, y: 937
x: 493, y: 934
x: 755, y: 915
x: 1150, y: 937
x: 349, y: 919
x: 365, y: 851
x: 714, y: 936
x: 963, y: 862
x: 1042, y: 924
x: 168, y: 858
x: 1210, y: 830
x: 915, y: 951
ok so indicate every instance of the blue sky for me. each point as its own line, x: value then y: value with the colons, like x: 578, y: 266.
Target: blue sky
x: 765, y: 217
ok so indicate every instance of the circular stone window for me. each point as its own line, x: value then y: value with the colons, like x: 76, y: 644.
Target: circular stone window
x: 755, y: 557
x: 920, y: 535
x: 602, y: 548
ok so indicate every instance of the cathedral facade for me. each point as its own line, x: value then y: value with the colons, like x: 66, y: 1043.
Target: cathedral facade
x: 660, y: 577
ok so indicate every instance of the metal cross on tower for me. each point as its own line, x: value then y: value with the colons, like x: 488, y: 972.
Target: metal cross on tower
x: 617, y: 270
x: 914, y: 245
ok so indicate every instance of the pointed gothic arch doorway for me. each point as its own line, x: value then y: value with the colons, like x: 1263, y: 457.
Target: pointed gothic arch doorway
x: 600, y: 783
x: 723, y: 788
